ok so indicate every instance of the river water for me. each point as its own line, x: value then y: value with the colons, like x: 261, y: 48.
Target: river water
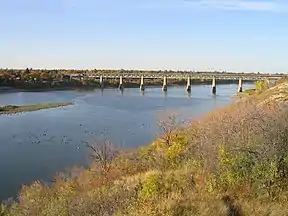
x: 37, y: 145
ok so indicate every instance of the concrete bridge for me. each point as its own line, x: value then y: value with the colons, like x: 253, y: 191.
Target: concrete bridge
x: 202, y: 77
x: 164, y: 77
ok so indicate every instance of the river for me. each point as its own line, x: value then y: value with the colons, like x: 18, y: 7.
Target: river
x: 37, y: 145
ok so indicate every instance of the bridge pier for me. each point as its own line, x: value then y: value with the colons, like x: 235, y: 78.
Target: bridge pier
x: 101, y: 82
x: 214, y: 86
x: 121, y: 86
x: 240, y: 85
x: 142, y: 87
x: 164, y: 88
x: 188, y: 87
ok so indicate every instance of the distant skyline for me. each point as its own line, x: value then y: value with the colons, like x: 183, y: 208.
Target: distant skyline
x: 199, y: 35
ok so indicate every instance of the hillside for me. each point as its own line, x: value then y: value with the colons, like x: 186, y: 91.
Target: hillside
x: 234, y: 160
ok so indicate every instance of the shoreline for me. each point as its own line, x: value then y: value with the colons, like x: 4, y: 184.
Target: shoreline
x: 10, y: 89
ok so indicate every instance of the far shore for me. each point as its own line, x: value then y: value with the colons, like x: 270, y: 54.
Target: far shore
x: 12, y: 109
x: 12, y: 89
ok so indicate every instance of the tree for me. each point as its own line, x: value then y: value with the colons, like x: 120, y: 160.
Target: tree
x: 45, y: 76
x: 262, y: 85
x: 103, y: 154
x: 167, y: 126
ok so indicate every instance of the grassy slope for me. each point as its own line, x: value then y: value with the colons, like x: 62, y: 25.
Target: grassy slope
x: 232, y: 159
x: 28, y: 108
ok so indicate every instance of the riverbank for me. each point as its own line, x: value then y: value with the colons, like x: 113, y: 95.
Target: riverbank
x: 232, y: 159
x: 12, y: 109
x: 112, y: 83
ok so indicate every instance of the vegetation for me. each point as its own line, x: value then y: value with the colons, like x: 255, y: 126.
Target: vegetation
x: 233, y: 161
x: 249, y: 92
x: 10, y: 109
x: 262, y: 85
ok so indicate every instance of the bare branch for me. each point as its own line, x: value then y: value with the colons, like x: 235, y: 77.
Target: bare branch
x: 103, y: 154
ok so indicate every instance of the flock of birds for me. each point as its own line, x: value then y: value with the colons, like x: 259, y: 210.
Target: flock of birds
x: 46, y: 136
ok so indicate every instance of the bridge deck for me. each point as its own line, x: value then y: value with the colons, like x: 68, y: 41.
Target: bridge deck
x: 219, y: 77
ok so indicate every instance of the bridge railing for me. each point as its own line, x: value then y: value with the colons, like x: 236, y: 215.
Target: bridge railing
x: 174, y: 77
x: 169, y: 76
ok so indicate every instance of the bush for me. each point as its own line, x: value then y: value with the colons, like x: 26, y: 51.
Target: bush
x: 262, y: 85
x: 151, y: 186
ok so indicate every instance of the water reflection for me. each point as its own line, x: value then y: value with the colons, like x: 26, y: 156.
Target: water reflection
x: 165, y: 93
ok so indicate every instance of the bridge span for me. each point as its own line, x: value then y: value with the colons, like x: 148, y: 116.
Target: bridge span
x: 164, y: 77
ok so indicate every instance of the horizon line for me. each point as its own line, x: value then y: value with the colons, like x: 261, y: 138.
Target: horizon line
x: 146, y: 70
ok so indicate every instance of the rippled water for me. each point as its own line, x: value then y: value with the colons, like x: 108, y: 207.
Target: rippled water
x: 38, y: 144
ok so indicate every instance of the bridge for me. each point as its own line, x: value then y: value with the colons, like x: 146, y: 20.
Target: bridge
x: 175, y: 76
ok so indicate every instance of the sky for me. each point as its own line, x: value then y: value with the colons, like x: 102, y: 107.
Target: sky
x: 199, y: 35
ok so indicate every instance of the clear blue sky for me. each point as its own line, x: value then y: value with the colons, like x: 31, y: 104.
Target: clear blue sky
x: 232, y: 35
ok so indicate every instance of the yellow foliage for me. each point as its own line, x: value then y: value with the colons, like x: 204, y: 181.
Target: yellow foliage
x: 151, y: 185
